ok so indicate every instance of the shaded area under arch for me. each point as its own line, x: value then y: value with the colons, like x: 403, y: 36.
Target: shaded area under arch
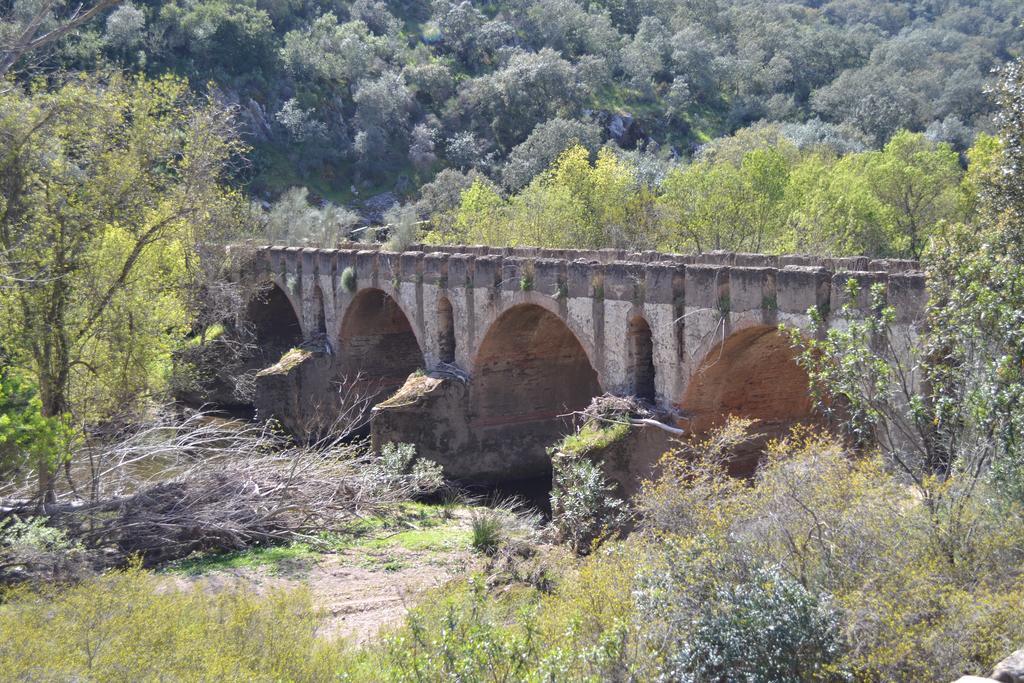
x: 377, y: 343
x: 275, y: 323
x: 319, y: 326
x: 445, y: 330
x: 751, y: 374
x: 319, y: 391
x: 530, y: 371
x: 640, y: 359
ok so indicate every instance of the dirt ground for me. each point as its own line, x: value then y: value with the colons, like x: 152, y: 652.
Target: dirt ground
x: 359, y: 595
x: 364, y: 588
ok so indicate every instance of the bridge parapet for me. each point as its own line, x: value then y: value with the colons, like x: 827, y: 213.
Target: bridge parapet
x: 725, y: 258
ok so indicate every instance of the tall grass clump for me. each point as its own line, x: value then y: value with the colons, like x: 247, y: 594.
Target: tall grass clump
x: 488, y: 530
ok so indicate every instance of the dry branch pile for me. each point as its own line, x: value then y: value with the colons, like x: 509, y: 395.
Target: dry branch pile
x: 640, y: 413
x: 215, y: 486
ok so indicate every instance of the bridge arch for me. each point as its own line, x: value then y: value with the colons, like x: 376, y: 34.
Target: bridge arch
x: 275, y: 319
x: 529, y: 371
x: 640, y: 368
x: 377, y: 341
x: 318, y: 322
x: 753, y: 374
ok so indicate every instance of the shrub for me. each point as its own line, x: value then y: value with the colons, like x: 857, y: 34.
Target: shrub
x: 32, y: 551
x: 463, y: 634
x: 27, y: 438
x: 348, y: 280
x: 130, y: 626
x: 398, y: 461
x: 590, y: 622
x: 915, y: 598
x: 769, y: 629
x: 583, y: 502
x: 404, y: 224
x: 695, y: 494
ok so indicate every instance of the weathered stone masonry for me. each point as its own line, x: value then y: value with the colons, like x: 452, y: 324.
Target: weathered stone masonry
x: 538, y: 332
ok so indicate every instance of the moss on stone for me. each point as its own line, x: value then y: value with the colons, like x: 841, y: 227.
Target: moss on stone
x: 594, y: 436
x: 417, y: 385
x: 288, y: 362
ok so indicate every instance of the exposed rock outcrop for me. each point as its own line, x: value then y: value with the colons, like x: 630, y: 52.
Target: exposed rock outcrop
x: 1010, y: 670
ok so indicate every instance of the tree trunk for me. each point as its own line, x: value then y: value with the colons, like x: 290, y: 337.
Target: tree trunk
x: 53, y: 394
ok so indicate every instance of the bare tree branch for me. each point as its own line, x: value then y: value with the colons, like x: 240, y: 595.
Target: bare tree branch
x: 32, y: 39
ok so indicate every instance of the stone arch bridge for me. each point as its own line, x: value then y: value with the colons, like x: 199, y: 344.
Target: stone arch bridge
x: 513, y: 340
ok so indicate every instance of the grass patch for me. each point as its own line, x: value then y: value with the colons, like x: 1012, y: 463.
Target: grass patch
x: 409, y: 525
x: 448, y: 537
x: 416, y: 385
x: 289, y: 361
x: 594, y: 436
x: 127, y: 626
x: 254, y: 558
x: 413, y: 526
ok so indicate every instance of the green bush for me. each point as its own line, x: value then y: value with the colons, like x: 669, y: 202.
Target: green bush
x: 348, y: 280
x: 583, y: 503
x: 33, y: 551
x: 769, y: 629
x: 464, y: 634
x: 398, y: 461
x: 917, y: 598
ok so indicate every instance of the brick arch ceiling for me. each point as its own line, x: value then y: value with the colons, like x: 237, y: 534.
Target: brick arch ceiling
x: 753, y: 374
x: 530, y: 367
x: 377, y: 339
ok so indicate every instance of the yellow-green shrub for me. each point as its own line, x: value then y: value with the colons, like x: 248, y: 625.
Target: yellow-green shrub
x: 589, y: 621
x: 923, y: 584
x: 132, y: 626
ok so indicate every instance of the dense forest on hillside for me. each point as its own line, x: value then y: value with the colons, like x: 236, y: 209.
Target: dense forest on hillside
x: 354, y: 99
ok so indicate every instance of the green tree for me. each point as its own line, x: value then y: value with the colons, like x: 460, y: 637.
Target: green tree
x: 881, y: 203
x: 335, y: 53
x: 573, y: 204
x: 26, y: 29
x: 917, y: 182
x: 479, y: 219
x: 718, y: 204
x: 945, y: 401
x: 109, y: 185
x: 832, y: 210
x: 27, y: 438
x: 592, y: 205
x: 978, y: 299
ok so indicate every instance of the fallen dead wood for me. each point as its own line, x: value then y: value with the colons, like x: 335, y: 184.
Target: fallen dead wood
x: 226, y: 487
x: 646, y: 422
